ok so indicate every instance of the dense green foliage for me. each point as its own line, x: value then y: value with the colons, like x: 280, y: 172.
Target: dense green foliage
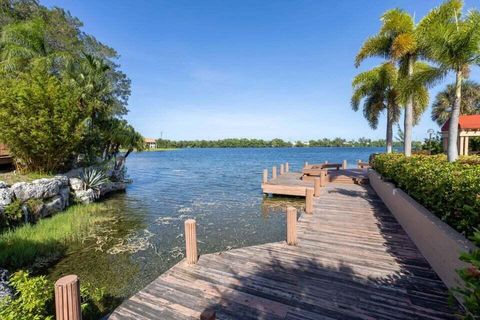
x: 46, y: 240
x: 445, y: 99
x: 471, y: 277
x: 275, y: 143
x: 34, y: 299
x: 450, y: 190
x: 63, y: 95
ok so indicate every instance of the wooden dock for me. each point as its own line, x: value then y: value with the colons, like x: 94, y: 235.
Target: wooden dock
x: 352, y: 261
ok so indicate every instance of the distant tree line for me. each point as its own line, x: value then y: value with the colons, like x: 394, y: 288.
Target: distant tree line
x: 274, y: 143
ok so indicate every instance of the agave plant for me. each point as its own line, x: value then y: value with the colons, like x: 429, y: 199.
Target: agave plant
x: 93, y: 178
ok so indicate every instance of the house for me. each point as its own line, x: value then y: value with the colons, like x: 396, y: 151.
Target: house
x: 468, y: 127
x: 150, y: 143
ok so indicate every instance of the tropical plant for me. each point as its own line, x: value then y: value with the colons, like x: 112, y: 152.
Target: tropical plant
x: 452, y: 41
x: 470, y: 292
x: 33, y: 298
x: 93, y: 178
x: 443, y: 104
x: 377, y: 87
x: 396, y: 42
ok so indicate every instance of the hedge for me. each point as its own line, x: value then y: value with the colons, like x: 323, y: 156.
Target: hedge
x: 451, y: 191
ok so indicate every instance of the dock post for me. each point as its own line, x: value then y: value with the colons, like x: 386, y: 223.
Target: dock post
x: 287, y: 167
x: 323, y: 178
x: 191, y: 241
x: 265, y: 176
x: 309, y: 201
x: 292, y: 226
x: 326, y: 161
x: 282, y: 169
x: 67, y: 298
x: 305, y: 164
x: 344, y: 164
x: 316, y: 189
x: 274, y: 172
x: 208, y: 314
x: 358, y: 164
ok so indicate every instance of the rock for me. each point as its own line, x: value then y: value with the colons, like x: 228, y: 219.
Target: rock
x: 5, y: 290
x: 3, y: 185
x: 40, y: 189
x: 86, y: 196
x: 65, y: 194
x: 111, y: 187
x: 56, y: 204
x: 76, y: 184
x: 6, y: 196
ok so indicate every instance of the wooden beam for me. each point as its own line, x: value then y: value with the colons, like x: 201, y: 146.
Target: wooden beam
x: 292, y: 226
x: 274, y: 172
x: 265, y: 176
x: 67, y: 298
x: 282, y: 169
x: 316, y: 188
x: 309, y: 201
x: 191, y: 241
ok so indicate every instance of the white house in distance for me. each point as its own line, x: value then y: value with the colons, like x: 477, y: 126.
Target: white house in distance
x: 150, y: 143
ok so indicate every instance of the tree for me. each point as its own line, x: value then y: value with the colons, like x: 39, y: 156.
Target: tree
x: 444, y: 101
x: 396, y: 41
x: 377, y: 88
x: 40, y: 120
x: 452, y: 42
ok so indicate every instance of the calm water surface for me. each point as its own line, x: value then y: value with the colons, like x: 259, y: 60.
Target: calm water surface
x: 220, y: 188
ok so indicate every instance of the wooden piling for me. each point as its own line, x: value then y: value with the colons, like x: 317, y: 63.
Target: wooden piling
x: 305, y: 164
x: 359, y: 166
x: 274, y: 172
x: 67, y: 298
x: 208, y: 314
x: 309, y: 201
x: 265, y: 176
x: 282, y: 169
x: 326, y: 161
x: 287, y: 167
x: 191, y: 241
x: 323, y: 178
x: 292, y: 226
x: 344, y: 164
x: 316, y: 189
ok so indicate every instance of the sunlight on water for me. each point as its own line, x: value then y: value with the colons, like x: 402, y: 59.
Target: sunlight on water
x: 220, y: 188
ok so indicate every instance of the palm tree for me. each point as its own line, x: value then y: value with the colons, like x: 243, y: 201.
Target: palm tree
x: 378, y: 90
x: 443, y: 104
x: 452, y: 42
x: 397, y: 42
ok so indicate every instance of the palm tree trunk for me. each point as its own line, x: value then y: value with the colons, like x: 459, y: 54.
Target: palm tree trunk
x: 408, y: 121
x: 453, y: 125
x: 389, y: 137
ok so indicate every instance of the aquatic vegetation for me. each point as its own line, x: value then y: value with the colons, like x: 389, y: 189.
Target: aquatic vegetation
x: 47, y: 240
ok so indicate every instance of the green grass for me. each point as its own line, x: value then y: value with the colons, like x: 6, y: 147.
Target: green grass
x: 32, y: 246
x: 11, y: 177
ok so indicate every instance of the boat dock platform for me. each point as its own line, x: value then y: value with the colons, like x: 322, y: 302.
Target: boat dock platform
x: 347, y: 259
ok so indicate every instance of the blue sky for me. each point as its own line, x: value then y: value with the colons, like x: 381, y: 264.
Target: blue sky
x: 255, y: 69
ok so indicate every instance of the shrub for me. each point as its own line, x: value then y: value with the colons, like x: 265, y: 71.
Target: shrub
x: 471, y: 277
x: 12, y: 215
x: 93, y: 178
x: 34, y: 299
x: 449, y: 190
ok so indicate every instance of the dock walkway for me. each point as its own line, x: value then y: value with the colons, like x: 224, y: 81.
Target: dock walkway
x: 353, y: 261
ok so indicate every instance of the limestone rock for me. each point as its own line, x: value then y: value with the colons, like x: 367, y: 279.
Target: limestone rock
x: 111, y: 187
x: 6, y: 196
x: 40, y: 189
x: 56, y: 204
x: 86, y: 196
x: 76, y: 184
x: 3, y: 185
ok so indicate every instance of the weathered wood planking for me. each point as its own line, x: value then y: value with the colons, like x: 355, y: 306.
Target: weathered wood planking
x: 353, y: 261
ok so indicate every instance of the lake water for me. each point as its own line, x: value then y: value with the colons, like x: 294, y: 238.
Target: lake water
x: 220, y: 188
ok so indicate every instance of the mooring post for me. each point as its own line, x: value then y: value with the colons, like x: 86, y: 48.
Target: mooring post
x: 282, y: 169
x: 274, y: 172
x: 305, y: 164
x: 309, y: 201
x: 359, y: 166
x: 323, y: 178
x: 326, y: 161
x: 292, y: 226
x: 191, y: 241
x: 265, y: 176
x: 316, y: 189
x: 344, y: 164
x: 67, y: 298
x: 287, y: 167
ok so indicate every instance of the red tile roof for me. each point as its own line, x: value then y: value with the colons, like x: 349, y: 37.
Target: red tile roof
x: 465, y: 122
